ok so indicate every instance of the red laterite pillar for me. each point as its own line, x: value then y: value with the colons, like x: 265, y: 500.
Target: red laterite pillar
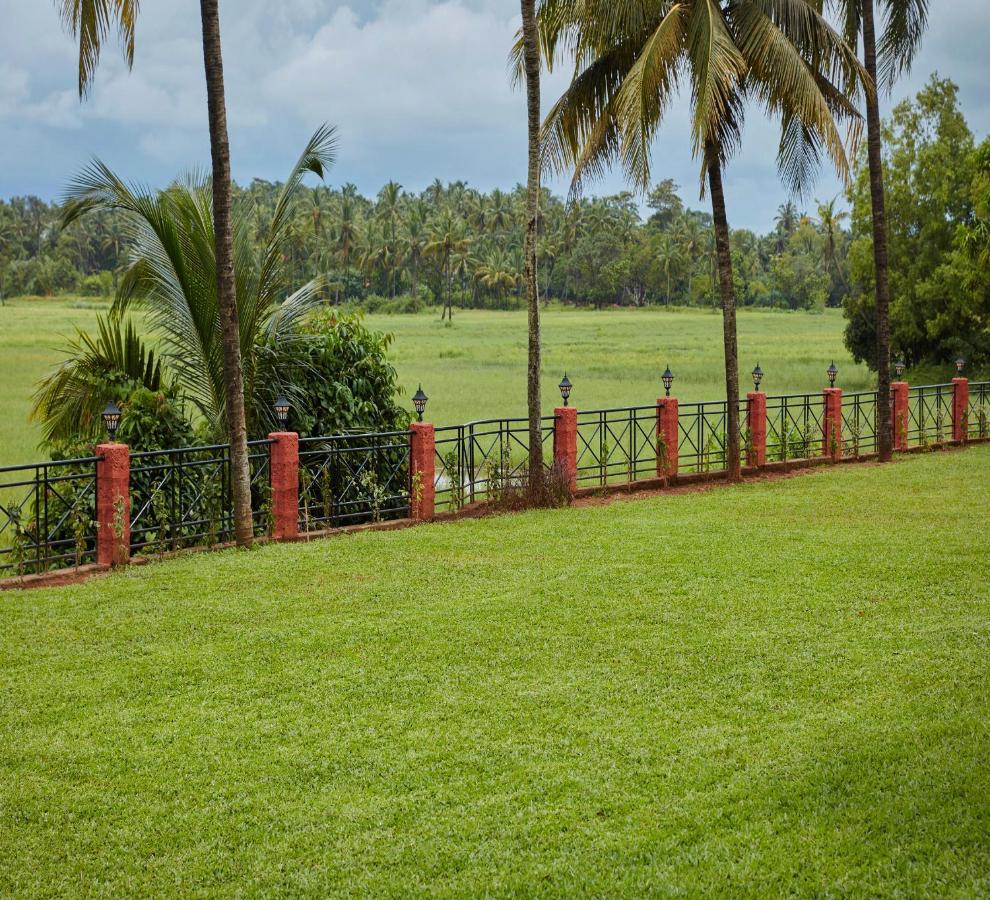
x: 285, y: 484
x: 666, y: 437
x: 565, y: 443
x: 113, y: 504
x: 422, y: 465
x: 756, y: 422
x: 899, y: 408
x: 960, y: 408
x: 832, y: 425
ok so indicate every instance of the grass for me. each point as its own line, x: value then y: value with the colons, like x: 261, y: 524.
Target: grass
x: 477, y: 368
x: 779, y: 688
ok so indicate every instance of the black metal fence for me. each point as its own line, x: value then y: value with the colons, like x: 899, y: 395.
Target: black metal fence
x: 929, y: 414
x: 481, y: 460
x: 183, y: 498
x: 978, y: 417
x: 350, y: 479
x: 47, y: 516
x: 795, y: 427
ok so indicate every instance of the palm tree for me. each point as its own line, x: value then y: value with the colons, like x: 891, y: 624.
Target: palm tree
x: 92, y: 21
x: 671, y: 259
x: 531, y: 66
x: 446, y: 237
x: 904, y: 23
x: 629, y: 59
x: 171, y: 275
x: 829, y: 222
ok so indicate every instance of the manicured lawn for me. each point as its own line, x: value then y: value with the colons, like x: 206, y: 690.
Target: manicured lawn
x: 779, y: 688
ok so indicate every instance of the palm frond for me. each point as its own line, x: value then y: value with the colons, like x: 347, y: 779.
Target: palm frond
x: 91, y: 22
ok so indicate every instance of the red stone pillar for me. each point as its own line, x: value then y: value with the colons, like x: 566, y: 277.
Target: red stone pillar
x: 756, y: 422
x: 832, y: 424
x: 285, y: 485
x: 667, y: 435
x: 960, y: 409
x: 113, y: 504
x: 422, y: 465
x: 899, y: 413
x: 565, y: 443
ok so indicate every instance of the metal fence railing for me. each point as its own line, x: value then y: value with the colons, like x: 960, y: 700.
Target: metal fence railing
x: 351, y: 479
x: 616, y: 445
x: 183, y: 497
x: 795, y: 427
x: 929, y: 414
x: 481, y: 460
x: 47, y: 516
x: 978, y: 418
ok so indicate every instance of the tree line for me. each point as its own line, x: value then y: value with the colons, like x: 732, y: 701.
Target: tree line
x: 452, y: 245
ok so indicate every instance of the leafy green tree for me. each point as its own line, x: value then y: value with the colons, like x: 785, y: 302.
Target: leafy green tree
x: 931, y: 168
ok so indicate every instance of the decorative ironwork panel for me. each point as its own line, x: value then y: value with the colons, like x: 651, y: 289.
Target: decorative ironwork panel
x: 183, y: 498
x: 47, y: 516
x: 702, y: 429
x: 859, y: 423
x: 353, y: 479
x: 795, y: 426
x: 616, y: 445
x: 929, y: 414
x: 978, y: 418
x: 482, y: 460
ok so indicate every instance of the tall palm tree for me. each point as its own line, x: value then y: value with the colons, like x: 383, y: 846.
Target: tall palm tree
x: 904, y: 23
x: 629, y: 59
x: 830, y: 221
x: 92, y: 21
x: 531, y: 66
x: 171, y: 275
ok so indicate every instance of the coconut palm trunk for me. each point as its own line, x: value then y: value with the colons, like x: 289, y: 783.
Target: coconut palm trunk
x: 724, y: 257
x: 531, y: 57
x: 874, y: 152
x: 240, y: 474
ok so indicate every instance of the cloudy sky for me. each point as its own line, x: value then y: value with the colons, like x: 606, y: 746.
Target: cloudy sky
x: 418, y: 89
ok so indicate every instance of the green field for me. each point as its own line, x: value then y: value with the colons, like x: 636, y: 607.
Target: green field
x: 477, y: 368
x: 775, y: 689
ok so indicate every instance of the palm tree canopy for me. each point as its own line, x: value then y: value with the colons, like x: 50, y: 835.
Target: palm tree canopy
x: 903, y: 26
x: 92, y: 22
x: 172, y: 276
x: 631, y: 57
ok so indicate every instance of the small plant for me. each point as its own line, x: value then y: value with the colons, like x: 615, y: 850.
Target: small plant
x: 982, y: 420
x: 416, y: 490
x: 376, y: 494
x: 746, y: 435
x: 80, y: 523
x: 855, y: 435
x: 663, y: 457
x: 450, y: 463
x: 305, y: 488
x: 21, y: 543
x: 160, y: 513
x: 119, y: 519
x: 212, y: 498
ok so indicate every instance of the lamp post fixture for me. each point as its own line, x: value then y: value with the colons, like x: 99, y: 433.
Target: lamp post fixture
x: 668, y: 379
x: 757, y: 376
x: 111, y: 419
x: 899, y: 367
x: 419, y: 401
x: 282, y: 407
x: 960, y: 365
x: 565, y: 388
x: 832, y: 373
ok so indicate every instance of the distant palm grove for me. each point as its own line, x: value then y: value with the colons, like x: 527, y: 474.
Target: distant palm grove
x: 454, y: 246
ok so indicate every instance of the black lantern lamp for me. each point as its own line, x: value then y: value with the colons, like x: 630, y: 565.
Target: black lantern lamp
x: 960, y: 365
x: 899, y: 367
x: 668, y: 379
x: 111, y: 418
x: 565, y: 388
x: 419, y: 401
x: 757, y: 376
x: 832, y: 373
x: 282, y: 409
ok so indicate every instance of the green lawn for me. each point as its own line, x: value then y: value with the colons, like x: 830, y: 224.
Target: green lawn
x: 477, y: 368
x: 778, y: 688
